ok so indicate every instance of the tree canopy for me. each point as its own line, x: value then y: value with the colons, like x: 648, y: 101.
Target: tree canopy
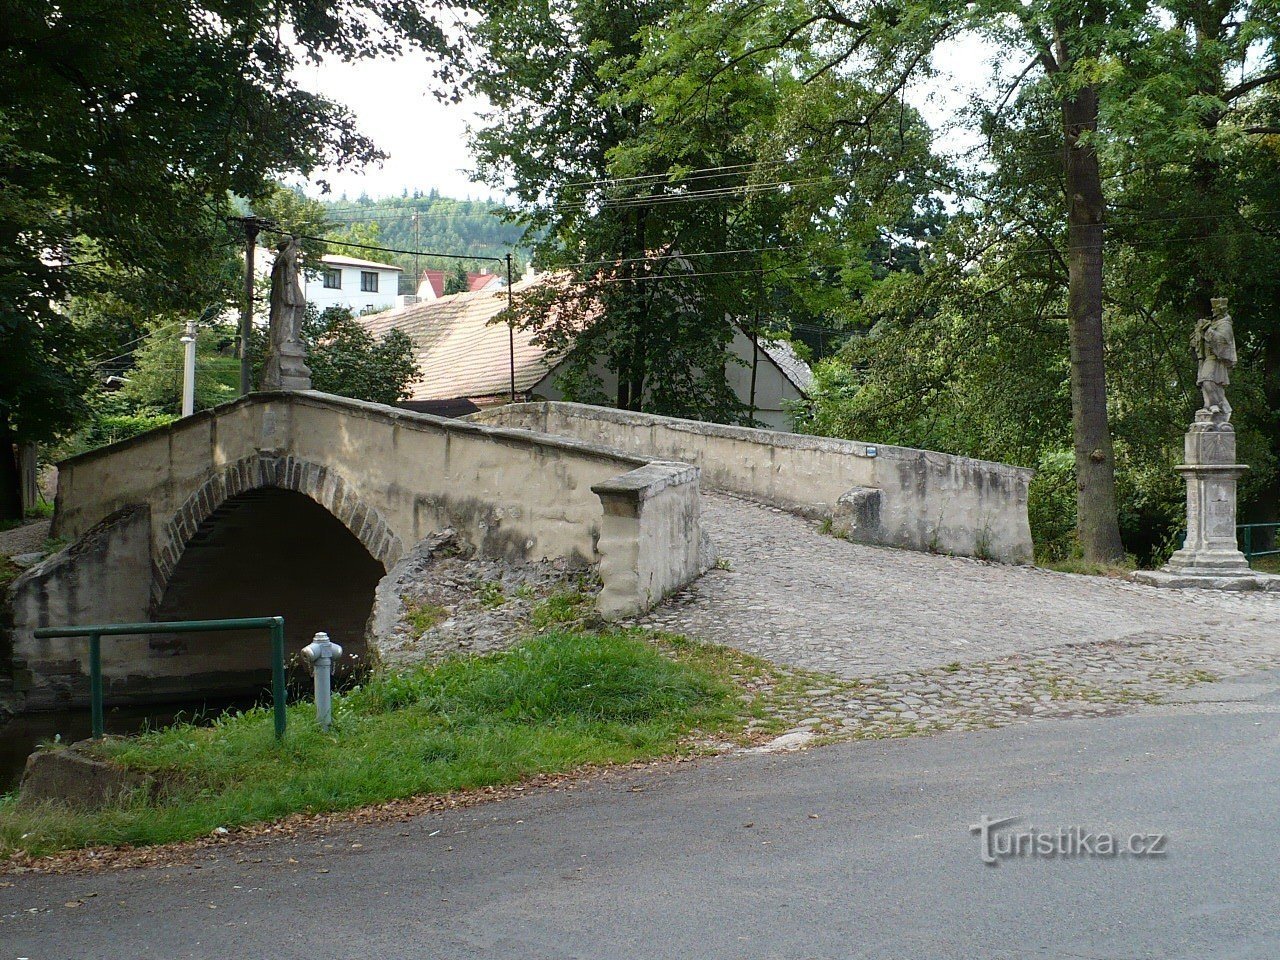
x: 128, y: 126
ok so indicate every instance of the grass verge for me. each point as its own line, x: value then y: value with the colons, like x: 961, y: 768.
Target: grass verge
x: 1119, y: 570
x: 553, y: 703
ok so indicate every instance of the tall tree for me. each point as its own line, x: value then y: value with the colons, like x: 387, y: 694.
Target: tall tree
x: 1065, y: 40
x: 127, y: 126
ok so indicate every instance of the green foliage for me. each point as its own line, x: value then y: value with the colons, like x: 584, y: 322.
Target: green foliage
x: 125, y: 129
x: 551, y: 704
x: 473, y: 227
x: 564, y: 606
x: 345, y: 359
x: 155, y: 380
x: 457, y: 281
x: 348, y: 360
x: 490, y: 594
x: 423, y: 615
x: 112, y: 417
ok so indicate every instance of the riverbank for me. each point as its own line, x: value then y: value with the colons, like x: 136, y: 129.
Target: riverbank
x: 554, y: 703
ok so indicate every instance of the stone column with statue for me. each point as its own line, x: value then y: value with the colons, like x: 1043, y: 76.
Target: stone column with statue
x: 286, y: 364
x: 1210, y: 556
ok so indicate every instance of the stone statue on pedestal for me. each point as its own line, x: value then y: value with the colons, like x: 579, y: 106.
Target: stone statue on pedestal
x: 1214, y: 342
x: 1210, y: 556
x: 286, y: 366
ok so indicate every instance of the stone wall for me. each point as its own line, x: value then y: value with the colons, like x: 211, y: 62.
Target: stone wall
x: 652, y: 536
x: 105, y: 577
x: 887, y: 495
x: 392, y: 477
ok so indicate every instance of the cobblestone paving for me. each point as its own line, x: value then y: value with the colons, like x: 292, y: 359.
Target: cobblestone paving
x: 886, y: 643
x: 801, y: 598
x: 1073, y: 681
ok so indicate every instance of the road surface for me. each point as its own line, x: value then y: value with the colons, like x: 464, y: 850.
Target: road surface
x: 848, y: 851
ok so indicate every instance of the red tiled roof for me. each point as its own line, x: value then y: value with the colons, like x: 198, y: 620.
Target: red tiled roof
x: 435, y: 278
x: 478, y: 281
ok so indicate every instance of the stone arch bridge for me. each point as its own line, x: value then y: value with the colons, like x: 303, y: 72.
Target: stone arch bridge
x: 301, y: 503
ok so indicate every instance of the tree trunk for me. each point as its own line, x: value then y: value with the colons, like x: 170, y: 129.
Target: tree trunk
x: 10, y: 476
x: 1097, y: 516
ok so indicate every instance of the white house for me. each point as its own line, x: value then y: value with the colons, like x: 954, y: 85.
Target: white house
x: 363, y: 286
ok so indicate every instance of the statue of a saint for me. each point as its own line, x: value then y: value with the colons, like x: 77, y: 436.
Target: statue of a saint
x: 1214, y: 342
x: 286, y: 367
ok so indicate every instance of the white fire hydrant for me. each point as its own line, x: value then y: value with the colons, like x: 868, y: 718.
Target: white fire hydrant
x: 320, y: 653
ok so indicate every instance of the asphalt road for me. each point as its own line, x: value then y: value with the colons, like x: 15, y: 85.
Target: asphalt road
x: 856, y: 850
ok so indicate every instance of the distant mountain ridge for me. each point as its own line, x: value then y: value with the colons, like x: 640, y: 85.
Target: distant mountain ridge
x: 469, y: 228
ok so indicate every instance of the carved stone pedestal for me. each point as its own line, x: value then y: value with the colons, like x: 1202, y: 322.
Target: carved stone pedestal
x: 1210, y: 556
x: 286, y: 368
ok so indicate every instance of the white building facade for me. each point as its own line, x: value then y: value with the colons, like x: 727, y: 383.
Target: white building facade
x: 363, y: 286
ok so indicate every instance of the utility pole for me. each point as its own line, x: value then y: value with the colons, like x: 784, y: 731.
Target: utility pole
x: 417, y: 245
x: 189, y: 370
x: 511, y: 330
x: 252, y: 226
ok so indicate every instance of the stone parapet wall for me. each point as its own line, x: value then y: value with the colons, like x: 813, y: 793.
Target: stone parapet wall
x: 391, y: 477
x: 895, y: 496
x: 651, y: 538
x: 509, y: 491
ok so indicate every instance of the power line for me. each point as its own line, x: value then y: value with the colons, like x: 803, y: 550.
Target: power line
x: 136, y: 340
x: 670, y: 256
x: 368, y: 246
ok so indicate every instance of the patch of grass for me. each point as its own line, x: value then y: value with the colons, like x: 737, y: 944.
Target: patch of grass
x: 43, y: 510
x: 422, y: 615
x: 491, y: 595
x: 1120, y: 569
x: 9, y: 572
x: 553, y: 703
x: 1268, y: 564
x: 564, y: 606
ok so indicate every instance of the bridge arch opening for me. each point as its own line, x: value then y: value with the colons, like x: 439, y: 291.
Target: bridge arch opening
x: 266, y: 552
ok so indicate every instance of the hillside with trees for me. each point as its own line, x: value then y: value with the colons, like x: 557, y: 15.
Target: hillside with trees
x: 418, y: 220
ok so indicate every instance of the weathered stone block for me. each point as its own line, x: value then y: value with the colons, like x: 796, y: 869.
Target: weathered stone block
x: 72, y: 776
x: 651, y: 537
x: 856, y: 515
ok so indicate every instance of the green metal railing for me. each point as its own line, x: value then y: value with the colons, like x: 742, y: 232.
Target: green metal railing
x: 1244, y: 535
x: 95, y: 633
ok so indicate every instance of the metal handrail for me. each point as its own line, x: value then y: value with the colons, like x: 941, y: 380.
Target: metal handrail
x: 96, y: 632
x: 1247, y: 540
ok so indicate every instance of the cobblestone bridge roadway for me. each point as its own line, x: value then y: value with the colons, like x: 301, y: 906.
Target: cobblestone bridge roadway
x: 799, y: 597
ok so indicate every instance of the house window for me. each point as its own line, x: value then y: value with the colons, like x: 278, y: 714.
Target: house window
x: 333, y: 279
x: 368, y: 281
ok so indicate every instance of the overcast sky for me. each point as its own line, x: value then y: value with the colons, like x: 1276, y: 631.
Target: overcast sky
x: 426, y: 140
x: 394, y: 104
